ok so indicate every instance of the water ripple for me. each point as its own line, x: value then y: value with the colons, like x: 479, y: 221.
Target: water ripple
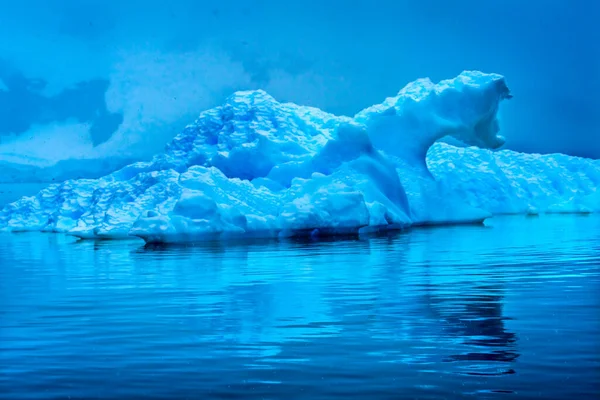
x: 508, y: 309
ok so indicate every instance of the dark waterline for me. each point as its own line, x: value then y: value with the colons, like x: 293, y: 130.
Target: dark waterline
x: 509, y: 310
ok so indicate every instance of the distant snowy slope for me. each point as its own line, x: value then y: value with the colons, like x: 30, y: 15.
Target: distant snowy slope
x: 20, y: 172
x: 15, y: 172
x: 256, y: 167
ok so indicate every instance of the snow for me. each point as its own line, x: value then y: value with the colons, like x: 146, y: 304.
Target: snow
x: 257, y: 167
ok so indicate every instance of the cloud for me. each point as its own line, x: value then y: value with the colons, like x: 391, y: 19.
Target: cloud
x: 44, y: 145
x: 22, y: 105
x: 159, y: 93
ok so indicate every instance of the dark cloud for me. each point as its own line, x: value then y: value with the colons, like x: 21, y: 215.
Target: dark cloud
x: 23, y: 104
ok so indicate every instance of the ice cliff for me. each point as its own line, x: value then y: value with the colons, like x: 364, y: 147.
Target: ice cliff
x: 257, y: 167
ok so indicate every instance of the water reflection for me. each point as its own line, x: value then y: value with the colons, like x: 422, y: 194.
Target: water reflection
x: 426, y: 312
x: 480, y: 324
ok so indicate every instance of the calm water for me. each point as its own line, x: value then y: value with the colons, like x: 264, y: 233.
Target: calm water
x: 505, y: 311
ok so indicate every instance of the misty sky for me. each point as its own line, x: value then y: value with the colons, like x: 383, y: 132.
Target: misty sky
x: 90, y: 78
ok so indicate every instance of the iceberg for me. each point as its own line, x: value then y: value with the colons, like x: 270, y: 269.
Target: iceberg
x: 256, y: 167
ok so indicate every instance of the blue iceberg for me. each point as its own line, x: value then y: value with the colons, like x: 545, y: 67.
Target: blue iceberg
x: 257, y: 167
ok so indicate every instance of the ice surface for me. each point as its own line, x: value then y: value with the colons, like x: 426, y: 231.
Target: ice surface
x: 507, y: 182
x: 257, y: 167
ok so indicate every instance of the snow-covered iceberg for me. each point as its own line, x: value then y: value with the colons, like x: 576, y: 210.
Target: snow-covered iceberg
x: 257, y: 167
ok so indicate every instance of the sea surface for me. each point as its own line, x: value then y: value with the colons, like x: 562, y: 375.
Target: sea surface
x: 510, y: 310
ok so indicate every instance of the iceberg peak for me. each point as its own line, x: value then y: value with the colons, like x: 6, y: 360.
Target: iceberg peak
x: 464, y: 107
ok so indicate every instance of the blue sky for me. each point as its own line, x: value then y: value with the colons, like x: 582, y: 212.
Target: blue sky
x: 91, y: 78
